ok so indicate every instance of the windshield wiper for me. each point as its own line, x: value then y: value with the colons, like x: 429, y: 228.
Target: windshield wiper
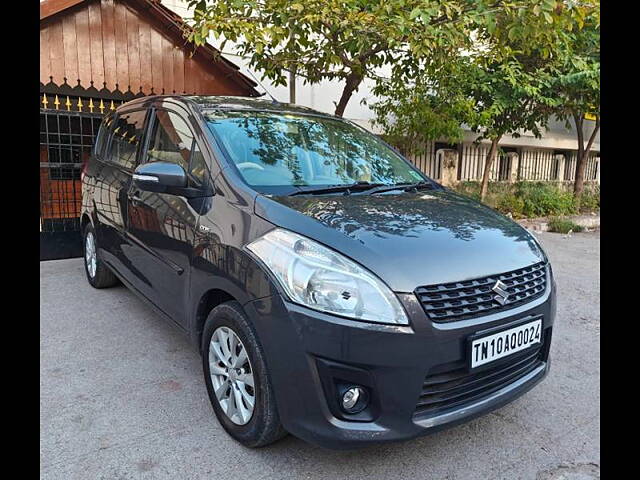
x: 347, y: 188
x: 420, y: 185
x: 407, y: 187
x: 363, y: 186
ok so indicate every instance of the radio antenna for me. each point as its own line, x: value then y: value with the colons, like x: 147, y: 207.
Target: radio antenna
x: 265, y: 90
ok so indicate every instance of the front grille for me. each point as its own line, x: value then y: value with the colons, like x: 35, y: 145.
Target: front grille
x: 457, y: 386
x: 456, y: 301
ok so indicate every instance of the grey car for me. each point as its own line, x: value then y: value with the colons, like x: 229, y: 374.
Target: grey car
x: 334, y: 291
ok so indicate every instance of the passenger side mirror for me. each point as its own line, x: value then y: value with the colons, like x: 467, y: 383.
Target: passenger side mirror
x: 167, y: 177
x: 158, y: 176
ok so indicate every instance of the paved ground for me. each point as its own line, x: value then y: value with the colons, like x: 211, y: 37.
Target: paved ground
x: 121, y: 397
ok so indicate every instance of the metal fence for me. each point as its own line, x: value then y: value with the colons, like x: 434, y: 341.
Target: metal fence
x: 66, y: 139
x: 590, y: 171
x: 534, y: 164
x: 472, y: 161
x: 426, y: 160
x: 538, y: 165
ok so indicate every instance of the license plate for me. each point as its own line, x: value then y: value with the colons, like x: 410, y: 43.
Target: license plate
x: 507, y: 342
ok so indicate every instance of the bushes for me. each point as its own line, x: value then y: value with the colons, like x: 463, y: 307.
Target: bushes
x: 563, y: 225
x: 590, y: 201
x: 511, y: 203
x: 532, y: 199
x: 470, y: 189
x: 543, y: 199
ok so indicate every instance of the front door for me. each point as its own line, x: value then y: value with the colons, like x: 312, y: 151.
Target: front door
x: 161, y: 226
x: 113, y: 178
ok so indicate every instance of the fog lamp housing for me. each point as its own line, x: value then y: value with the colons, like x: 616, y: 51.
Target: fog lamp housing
x: 354, y: 399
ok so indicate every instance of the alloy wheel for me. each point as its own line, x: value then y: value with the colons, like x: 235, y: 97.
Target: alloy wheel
x: 231, y: 375
x: 90, y: 254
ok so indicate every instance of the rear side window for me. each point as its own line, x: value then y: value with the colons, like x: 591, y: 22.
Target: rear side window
x: 172, y: 141
x: 125, y: 138
x: 98, y: 147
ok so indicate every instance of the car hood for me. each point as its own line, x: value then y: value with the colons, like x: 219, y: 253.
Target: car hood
x: 409, y: 239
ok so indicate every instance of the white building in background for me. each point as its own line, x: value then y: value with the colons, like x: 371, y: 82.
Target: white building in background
x: 551, y: 157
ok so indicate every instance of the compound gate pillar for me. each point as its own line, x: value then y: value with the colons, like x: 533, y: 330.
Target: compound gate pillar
x: 448, y: 167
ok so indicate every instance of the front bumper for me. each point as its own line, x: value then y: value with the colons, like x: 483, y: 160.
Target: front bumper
x: 308, y: 353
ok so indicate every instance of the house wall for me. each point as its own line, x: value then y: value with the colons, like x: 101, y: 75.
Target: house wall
x: 108, y: 44
x: 94, y: 56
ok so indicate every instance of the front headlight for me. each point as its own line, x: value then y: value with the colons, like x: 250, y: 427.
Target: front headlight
x: 319, y: 278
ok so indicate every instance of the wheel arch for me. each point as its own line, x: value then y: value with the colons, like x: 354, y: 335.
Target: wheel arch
x: 235, y: 276
x: 84, y: 221
x: 208, y: 301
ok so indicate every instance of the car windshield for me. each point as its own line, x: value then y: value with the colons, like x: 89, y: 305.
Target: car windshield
x: 285, y: 150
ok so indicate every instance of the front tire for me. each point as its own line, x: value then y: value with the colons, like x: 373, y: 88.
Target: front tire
x: 237, y: 379
x: 98, y: 274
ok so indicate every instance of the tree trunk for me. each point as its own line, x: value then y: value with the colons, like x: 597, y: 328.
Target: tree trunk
x: 583, y: 154
x: 353, y: 81
x: 487, y: 167
x: 578, y: 183
x: 292, y: 70
x: 292, y: 85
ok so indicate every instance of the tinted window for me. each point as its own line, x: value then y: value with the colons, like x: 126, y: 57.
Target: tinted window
x: 199, y: 169
x: 172, y: 141
x: 126, y: 136
x: 291, y: 150
x: 102, y: 134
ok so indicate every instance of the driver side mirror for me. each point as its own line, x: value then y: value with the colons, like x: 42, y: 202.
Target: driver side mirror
x: 166, y: 177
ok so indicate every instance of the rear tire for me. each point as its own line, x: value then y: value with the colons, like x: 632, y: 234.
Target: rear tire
x: 98, y: 274
x: 225, y: 354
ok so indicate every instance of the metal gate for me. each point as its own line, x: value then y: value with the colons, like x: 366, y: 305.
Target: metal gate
x: 66, y: 139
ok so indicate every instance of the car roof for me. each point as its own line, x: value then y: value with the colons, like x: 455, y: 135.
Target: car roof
x: 248, y: 103
x: 232, y: 103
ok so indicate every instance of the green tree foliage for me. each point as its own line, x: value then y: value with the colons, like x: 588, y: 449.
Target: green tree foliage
x: 344, y: 40
x: 502, y: 85
x: 492, y: 96
x: 577, y: 81
x: 424, y: 108
x: 508, y: 97
x: 498, y: 66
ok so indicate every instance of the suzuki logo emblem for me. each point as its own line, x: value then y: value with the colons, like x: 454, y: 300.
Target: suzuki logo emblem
x: 502, y: 294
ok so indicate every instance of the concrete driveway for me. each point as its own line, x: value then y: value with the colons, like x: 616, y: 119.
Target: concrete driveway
x: 122, y: 397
